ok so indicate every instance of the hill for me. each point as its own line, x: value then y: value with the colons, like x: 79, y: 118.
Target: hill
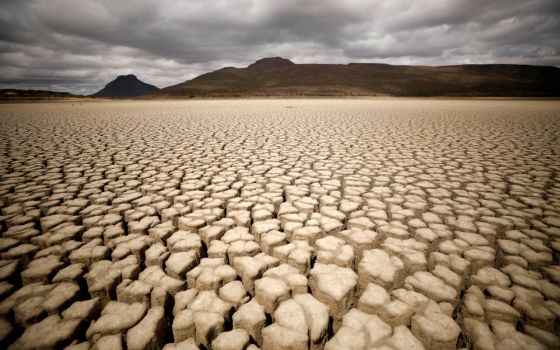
x: 280, y: 77
x: 125, y: 86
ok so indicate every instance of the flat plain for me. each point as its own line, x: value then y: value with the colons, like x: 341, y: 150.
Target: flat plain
x: 280, y: 224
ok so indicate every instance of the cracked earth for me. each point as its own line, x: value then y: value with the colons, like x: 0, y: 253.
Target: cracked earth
x: 280, y: 224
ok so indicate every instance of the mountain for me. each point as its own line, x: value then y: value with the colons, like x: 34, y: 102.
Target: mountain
x: 29, y: 95
x: 125, y: 86
x: 277, y: 76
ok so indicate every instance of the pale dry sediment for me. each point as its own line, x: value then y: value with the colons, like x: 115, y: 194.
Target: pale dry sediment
x: 335, y: 224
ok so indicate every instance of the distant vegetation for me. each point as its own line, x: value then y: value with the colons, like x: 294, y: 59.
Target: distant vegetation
x: 9, y: 95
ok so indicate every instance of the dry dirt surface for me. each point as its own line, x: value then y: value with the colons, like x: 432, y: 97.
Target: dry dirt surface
x: 280, y: 224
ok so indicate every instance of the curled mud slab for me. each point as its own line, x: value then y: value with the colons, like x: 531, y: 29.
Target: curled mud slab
x: 333, y: 224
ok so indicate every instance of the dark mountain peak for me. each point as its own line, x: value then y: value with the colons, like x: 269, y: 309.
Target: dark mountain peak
x: 125, y: 86
x: 271, y: 62
x: 126, y: 77
x: 368, y: 64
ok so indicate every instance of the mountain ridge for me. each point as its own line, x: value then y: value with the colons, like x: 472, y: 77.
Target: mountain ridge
x: 276, y: 76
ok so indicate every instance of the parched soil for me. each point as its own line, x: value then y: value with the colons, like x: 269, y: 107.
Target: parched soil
x: 280, y: 224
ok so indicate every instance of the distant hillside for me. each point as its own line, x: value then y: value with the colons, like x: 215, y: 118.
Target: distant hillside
x: 25, y: 95
x: 280, y: 77
x: 125, y: 86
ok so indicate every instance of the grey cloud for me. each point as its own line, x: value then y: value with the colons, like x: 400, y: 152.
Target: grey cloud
x: 80, y: 45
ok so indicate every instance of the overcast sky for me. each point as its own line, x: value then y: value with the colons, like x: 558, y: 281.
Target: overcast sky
x: 80, y: 45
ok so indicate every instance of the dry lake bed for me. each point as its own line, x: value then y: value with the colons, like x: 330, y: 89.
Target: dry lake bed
x: 280, y: 224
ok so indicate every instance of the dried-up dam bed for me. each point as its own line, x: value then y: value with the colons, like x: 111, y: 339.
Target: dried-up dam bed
x: 280, y: 224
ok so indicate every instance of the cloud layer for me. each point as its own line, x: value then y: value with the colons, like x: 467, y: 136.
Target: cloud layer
x: 80, y: 45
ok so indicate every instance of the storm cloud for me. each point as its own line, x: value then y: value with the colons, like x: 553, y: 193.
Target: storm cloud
x: 80, y: 45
